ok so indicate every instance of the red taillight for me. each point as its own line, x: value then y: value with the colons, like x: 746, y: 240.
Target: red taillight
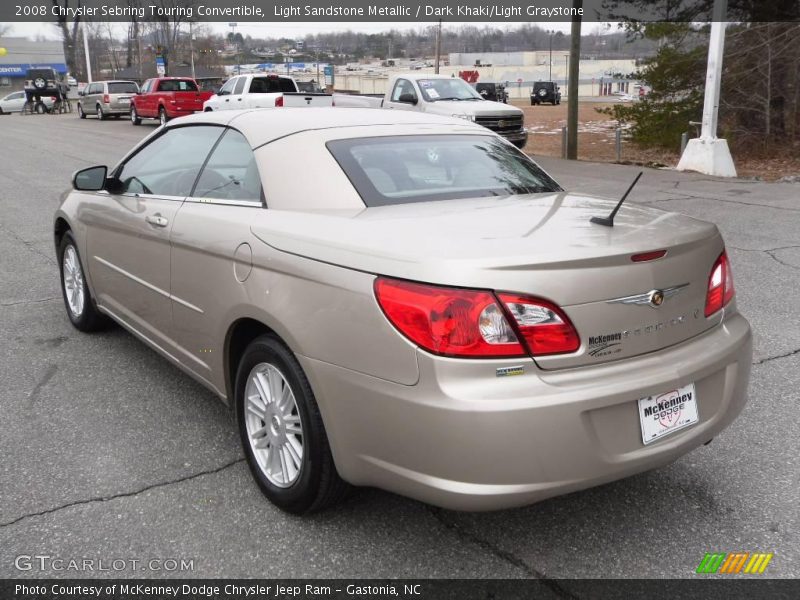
x: 645, y: 256
x: 475, y: 323
x: 279, y: 101
x: 720, y: 285
x: 448, y: 321
x: 106, y: 99
x: 544, y: 327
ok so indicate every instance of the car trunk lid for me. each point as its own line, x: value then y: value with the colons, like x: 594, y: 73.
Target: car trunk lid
x: 542, y: 245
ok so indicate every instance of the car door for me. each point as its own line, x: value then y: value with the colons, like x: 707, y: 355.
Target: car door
x: 89, y: 98
x: 148, y: 100
x: 212, y: 254
x: 14, y: 102
x: 405, y: 89
x: 128, y: 232
x: 223, y: 101
x: 140, y: 99
x: 238, y: 93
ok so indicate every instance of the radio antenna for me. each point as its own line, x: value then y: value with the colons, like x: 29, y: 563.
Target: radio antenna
x: 609, y: 220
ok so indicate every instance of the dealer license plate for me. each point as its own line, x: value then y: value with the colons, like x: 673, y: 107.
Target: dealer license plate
x: 667, y: 413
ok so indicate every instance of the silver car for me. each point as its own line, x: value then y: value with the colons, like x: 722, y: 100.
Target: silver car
x: 106, y: 99
x: 406, y: 301
x: 15, y: 101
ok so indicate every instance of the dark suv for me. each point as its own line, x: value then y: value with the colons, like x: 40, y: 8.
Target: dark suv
x: 496, y: 92
x: 545, y: 91
x: 42, y: 83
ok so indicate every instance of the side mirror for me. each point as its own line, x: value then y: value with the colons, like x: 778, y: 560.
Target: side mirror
x: 407, y: 99
x: 81, y: 93
x: 92, y: 179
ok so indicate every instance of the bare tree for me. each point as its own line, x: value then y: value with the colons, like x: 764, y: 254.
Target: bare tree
x: 69, y: 33
x: 168, y: 26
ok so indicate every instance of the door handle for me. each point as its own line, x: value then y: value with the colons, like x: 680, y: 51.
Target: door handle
x: 157, y: 220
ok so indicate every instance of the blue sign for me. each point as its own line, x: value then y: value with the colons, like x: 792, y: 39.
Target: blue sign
x: 19, y: 70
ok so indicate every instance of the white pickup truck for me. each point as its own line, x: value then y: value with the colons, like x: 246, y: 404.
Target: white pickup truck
x: 443, y: 95
x: 260, y: 90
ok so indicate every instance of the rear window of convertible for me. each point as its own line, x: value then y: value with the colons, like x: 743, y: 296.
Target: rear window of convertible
x: 422, y: 168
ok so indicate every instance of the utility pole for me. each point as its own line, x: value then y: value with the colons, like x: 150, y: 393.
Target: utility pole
x: 139, y: 51
x: 86, y: 52
x: 191, y: 48
x: 709, y: 154
x: 572, y: 87
x: 551, y: 32
x: 438, y: 46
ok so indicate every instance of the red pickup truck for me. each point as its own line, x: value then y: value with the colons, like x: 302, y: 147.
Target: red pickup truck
x: 165, y: 98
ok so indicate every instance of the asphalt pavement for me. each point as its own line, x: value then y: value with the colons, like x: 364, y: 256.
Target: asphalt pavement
x: 108, y: 452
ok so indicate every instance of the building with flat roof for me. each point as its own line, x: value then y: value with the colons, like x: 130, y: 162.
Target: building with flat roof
x: 23, y: 54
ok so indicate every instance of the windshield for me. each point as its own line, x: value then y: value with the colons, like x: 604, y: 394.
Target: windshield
x: 421, y: 168
x: 434, y: 90
x: 122, y: 87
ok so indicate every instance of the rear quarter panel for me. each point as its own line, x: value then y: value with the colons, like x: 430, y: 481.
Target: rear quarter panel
x: 321, y: 311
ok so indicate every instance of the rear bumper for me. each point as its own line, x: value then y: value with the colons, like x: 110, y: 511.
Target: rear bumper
x: 464, y: 439
x: 180, y: 111
x: 116, y: 108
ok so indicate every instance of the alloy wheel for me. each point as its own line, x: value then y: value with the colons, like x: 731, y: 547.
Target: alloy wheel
x: 73, y: 282
x: 274, y: 428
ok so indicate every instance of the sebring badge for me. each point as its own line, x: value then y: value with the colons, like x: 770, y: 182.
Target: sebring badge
x: 654, y: 298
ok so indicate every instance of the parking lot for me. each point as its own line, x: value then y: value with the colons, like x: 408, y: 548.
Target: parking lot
x: 110, y: 452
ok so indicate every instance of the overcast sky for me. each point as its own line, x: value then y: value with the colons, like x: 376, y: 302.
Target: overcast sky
x: 290, y: 30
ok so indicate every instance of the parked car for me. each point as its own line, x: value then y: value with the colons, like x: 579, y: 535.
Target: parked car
x: 166, y: 98
x: 443, y: 95
x: 496, y: 92
x: 107, y: 99
x: 545, y: 91
x: 430, y: 313
x: 14, y: 102
x: 263, y: 91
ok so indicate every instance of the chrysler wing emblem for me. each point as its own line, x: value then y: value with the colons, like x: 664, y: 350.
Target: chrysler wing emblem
x: 654, y: 298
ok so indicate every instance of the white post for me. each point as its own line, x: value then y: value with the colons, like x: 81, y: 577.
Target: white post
x: 191, y: 48
x: 709, y: 154
x: 86, y: 52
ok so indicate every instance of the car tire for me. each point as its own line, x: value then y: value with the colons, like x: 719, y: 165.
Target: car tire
x: 101, y: 116
x: 289, y: 430
x: 162, y: 116
x: 40, y: 83
x: 81, y: 114
x: 78, y: 301
x: 135, y: 116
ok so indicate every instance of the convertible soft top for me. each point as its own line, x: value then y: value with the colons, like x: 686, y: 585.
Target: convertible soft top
x: 264, y: 125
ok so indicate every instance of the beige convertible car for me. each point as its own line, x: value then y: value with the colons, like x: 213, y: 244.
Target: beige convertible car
x: 406, y: 301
